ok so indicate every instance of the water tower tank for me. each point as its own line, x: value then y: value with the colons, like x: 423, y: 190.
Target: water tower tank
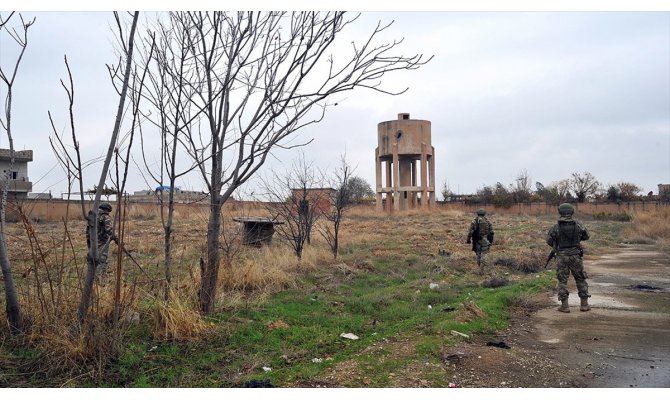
x: 405, y: 164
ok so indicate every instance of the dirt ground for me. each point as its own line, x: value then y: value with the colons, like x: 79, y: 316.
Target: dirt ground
x: 624, y: 341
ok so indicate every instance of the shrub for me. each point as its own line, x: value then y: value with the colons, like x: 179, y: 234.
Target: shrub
x: 606, y: 216
x: 527, y: 262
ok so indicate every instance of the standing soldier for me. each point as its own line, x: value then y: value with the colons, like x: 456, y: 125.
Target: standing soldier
x: 105, y: 235
x: 481, y: 236
x: 565, y: 238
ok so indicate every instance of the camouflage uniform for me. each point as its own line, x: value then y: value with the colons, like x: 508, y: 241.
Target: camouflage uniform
x: 565, y: 238
x: 482, y: 228
x: 105, y: 235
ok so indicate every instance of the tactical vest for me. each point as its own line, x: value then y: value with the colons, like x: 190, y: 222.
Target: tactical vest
x: 568, y: 234
x: 102, y: 232
x: 482, y: 227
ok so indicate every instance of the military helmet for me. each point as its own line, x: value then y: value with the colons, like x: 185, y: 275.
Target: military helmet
x: 104, y: 206
x: 481, y: 212
x: 566, y: 209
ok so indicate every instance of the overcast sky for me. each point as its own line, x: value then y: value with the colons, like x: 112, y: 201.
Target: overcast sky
x: 549, y: 93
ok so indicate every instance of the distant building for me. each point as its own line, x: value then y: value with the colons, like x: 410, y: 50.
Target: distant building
x: 318, y: 198
x: 180, y: 196
x: 664, y: 192
x: 17, y: 174
x: 40, y: 196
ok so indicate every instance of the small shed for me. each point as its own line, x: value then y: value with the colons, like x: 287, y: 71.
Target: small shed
x: 258, y: 231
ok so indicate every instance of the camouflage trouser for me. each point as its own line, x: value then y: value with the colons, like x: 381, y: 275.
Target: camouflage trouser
x: 101, y: 267
x: 482, y: 251
x: 564, y: 266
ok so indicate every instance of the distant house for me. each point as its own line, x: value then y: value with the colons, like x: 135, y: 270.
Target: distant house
x: 320, y: 198
x: 17, y: 174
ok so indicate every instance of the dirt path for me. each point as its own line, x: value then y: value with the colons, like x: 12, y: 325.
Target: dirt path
x: 624, y: 341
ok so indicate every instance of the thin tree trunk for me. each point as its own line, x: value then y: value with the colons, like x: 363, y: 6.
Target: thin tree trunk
x: 211, y: 273
x: 12, y: 306
x: 93, y: 217
x: 168, y: 257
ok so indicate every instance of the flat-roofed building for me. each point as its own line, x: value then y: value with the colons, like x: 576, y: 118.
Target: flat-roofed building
x: 15, y: 174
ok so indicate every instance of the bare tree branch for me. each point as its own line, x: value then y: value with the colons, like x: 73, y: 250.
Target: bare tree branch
x: 257, y: 78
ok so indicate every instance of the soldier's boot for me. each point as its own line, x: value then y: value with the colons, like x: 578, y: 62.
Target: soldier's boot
x: 564, y: 306
x: 585, y: 304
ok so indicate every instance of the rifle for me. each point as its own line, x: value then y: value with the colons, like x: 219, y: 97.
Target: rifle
x: 475, y: 238
x: 552, y: 254
x: 122, y: 247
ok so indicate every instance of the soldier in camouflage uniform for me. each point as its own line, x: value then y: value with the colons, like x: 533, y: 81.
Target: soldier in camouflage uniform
x: 481, y: 236
x: 565, y: 238
x: 105, y: 235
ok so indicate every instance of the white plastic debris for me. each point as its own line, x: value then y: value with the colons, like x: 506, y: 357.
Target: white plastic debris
x: 457, y: 333
x: 349, y: 336
x: 430, y: 307
x: 267, y: 369
x: 316, y: 360
x: 433, y: 286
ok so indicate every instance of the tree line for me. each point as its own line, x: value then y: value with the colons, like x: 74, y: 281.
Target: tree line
x: 580, y: 187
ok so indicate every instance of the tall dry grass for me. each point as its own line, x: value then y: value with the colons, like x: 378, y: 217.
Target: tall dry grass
x: 177, y: 319
x: 248, y: 274
x: 651, y: 224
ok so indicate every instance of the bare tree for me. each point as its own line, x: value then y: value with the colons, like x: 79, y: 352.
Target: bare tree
x: 339, y: 201
x: 584, y: 185
x: 557, y: 192
x: 124, y: 68
x: 522, y: 187
x: 171, y: 97
x: 446, y: 191
x: 628, y: 191
x: 296, y: 199
x: 21, y: 38
x: 134, y: 87
x: 260, y: 77
x: 485, y: 194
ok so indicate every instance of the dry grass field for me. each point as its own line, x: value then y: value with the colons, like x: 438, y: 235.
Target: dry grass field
x: 380, y: 285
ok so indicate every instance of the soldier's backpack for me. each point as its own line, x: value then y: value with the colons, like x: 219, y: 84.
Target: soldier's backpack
x: 482, y: 228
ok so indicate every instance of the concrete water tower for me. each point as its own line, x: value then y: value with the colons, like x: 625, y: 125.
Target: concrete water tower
x: 402, y: 143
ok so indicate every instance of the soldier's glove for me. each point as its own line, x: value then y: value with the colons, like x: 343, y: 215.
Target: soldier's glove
x: 468, y: 242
